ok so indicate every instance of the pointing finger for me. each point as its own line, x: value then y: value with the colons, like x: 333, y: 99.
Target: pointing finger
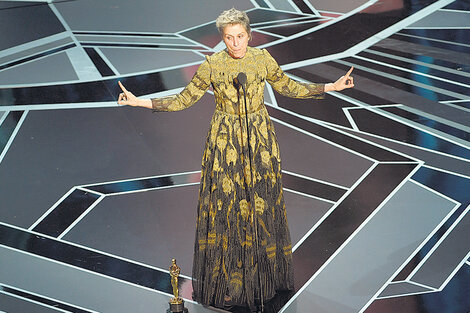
x: 122, y: 87
x: 349, y: 72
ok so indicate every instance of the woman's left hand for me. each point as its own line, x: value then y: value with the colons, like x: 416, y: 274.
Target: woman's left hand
x: 344, y: 82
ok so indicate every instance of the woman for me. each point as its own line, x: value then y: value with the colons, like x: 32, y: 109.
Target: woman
x: 240, y: 254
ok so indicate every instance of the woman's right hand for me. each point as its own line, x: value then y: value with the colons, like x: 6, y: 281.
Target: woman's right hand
x: 126, y: 97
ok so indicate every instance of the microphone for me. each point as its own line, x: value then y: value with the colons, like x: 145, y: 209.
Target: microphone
x: 240, y: 80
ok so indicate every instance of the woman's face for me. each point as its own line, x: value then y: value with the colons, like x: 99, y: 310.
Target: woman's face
x: 236, y: 39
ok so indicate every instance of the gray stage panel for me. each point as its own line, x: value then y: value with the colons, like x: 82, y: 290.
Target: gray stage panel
x: 79, y: 287
x: 11, y: 304
x: 25, y: 21
x: 302, y: 213
x: 284, y: 5
x: 430, y: 157
x: 336, y: 6
x: 153, y: 227
x: 127, y: 60
x: 51, y: 69
x: 142, y: 15
x: 443, y: 19
x: 149, y: 227
x: 402, y: 288
x: 375, y: 253
x: 34, y: 50
x: 448, y: 256
x: 429, y: 51
x: 134, y: 40
x: 318, y: 159
x: 57, y: 150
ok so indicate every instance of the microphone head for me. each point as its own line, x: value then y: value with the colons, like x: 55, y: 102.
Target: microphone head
x: 241, y: 78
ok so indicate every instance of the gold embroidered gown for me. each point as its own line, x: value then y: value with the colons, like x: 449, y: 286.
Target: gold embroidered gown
x: 225, y: 268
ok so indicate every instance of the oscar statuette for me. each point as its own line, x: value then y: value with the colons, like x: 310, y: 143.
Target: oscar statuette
x: 176, y: 303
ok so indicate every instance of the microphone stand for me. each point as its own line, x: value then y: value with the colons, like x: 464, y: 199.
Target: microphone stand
x: 241, y: 82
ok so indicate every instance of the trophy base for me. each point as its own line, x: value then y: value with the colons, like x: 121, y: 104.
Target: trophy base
x: 177, y: 308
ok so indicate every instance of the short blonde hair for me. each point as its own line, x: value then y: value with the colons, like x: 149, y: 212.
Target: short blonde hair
x: 231, y: 17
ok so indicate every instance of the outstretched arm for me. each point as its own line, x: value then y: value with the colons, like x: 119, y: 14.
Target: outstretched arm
x: 288, y: 87
x: 187, y: 97
x: 343, y: 82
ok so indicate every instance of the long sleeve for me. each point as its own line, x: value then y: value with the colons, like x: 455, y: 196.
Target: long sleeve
x: 287, y: 86
x: 189, y: 95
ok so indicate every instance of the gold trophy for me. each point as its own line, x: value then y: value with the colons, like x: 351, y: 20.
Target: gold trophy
x: 176, y: 303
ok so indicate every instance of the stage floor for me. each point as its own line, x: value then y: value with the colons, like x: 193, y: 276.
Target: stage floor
x: 96, y: 198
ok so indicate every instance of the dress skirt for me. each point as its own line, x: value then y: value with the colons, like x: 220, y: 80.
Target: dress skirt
x: 234, y: 261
